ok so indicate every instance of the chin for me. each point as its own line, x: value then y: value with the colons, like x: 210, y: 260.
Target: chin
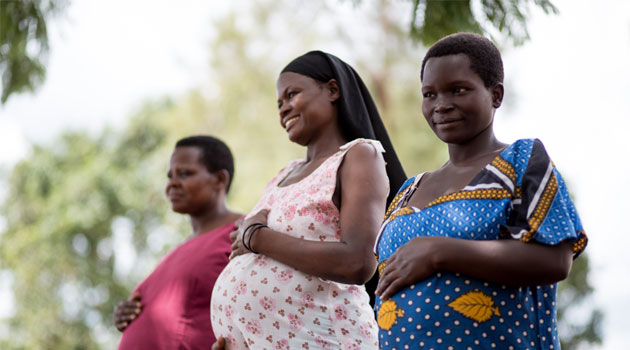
x: 180, y: 209
x: 298, y: 140
x: 452, y: 138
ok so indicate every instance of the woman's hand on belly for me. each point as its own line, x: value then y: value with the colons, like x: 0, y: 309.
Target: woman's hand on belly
x: 126, y: 311
x: 237, y: 236
x: 506, y: 261
x: 219, y: 344
x: 412, y: 262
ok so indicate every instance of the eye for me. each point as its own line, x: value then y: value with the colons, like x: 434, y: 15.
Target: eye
x: 291, y: 94
x: 169, y: 175
x: 184, y: 173
x: 428, y: 94
x: 459, y: 90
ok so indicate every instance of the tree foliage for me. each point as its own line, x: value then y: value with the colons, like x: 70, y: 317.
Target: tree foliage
x: 86, y: 218
x: 433, y: 19
x: 580, y: 323
x: 24, y: 43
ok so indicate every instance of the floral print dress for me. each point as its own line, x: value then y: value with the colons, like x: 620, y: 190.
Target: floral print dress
x: 259, y: 303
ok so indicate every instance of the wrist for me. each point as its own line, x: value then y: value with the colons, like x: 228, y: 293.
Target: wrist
x: 255, y: 238
x: 247, y: 235
x: 439, y: 254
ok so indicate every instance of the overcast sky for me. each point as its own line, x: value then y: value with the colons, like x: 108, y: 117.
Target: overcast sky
x: 568, y: 86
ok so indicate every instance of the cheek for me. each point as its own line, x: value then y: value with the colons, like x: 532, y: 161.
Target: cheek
x: 426, y: 111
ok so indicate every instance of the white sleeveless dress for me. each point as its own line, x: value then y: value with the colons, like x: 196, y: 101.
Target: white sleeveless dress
x: 259, y: 303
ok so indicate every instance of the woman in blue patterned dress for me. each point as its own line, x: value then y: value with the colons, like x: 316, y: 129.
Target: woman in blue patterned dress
x: 470, y: 254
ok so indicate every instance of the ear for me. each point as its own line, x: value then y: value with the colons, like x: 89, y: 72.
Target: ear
x: 497, y: 95
x: 223, y: 178
x: 333, y: 90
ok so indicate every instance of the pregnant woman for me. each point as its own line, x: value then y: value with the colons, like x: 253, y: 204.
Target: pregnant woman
x: 302, y: 255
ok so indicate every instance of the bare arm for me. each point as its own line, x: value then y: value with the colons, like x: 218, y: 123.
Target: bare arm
x: 363, y: 196
x: 508, y: 262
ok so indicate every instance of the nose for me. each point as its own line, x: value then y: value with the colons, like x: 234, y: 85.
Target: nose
x: 443, y: 104
x: 172, y: 182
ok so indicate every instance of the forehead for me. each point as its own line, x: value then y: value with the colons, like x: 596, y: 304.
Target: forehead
x: 287, y: 79
x: 186, y: 155
x: 449, y: 68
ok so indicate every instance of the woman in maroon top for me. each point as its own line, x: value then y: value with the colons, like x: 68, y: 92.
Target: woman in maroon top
x: 170, y: 308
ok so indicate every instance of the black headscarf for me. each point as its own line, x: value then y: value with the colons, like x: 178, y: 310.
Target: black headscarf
x: 357, y: 112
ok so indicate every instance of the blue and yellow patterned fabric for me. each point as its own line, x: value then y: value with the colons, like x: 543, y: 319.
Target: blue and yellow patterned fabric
x: 519, y: 195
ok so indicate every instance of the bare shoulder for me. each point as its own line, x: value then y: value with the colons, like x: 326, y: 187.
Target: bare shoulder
x: 364, y: 155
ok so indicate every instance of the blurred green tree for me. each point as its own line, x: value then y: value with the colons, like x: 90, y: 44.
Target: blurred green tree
x: 433, y: 19
x: 580, y: 324
x: 24, y: 34
x: 24, y: 43
x: 86, y: 218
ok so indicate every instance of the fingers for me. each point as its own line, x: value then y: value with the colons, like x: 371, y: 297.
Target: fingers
x: 135, y: 296
x: 219, y: 344
x: 234, y: 235
x: 383, y: 282
x: 261, y: 216
x: 390, y: 266
x: 127, y: 311
x: 121, y: 326
x: 239, y: 250
x: 390, y: 273
x: 128, y: 307
x: 393, y: 287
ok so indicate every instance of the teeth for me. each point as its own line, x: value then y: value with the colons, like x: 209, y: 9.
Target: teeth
x: 289, y: 122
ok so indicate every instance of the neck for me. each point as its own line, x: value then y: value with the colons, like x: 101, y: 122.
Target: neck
x: 482, y: 145
x: 325, y: 145
x: 212, y: 219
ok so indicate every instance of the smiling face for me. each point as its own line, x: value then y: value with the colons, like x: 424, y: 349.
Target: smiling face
x: 191, y: 188
x: 306, y: 106
x: 455, y: 103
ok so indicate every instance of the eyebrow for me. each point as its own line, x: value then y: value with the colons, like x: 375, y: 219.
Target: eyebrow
x: 285, y: 90
x: 450, y: 83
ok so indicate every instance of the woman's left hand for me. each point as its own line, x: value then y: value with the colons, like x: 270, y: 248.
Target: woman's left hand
x: 237, y: 236
x: 411, y: 263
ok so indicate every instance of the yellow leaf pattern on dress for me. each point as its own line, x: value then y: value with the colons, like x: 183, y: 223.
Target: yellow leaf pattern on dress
x: 476, y: 305
x: 381, y: 267
x: 387, y: 314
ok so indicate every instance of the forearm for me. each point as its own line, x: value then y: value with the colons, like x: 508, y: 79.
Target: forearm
x: 344, y: 262
x: 507, y: 262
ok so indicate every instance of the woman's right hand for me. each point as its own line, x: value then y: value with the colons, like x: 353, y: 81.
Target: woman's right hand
x: 237, y: 236
x: 412, y: 262
x: 127, y: 311
x: 219, y: 344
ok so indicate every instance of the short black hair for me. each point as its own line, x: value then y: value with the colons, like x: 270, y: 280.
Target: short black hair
x: 485, y: 58
x: 215, y: 154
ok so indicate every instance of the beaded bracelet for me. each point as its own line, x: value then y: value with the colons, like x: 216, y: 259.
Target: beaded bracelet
x: 249, y: 241
x: 245, y: 233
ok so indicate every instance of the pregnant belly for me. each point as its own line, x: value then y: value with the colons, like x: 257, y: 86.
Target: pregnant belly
x: 256, y: 286
x: 248, y: 278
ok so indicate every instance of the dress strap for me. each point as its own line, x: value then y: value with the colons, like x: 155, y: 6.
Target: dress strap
x: 375, y: 143
x: 285, y: 171
x: 402, y: 203
x: 410, y: 191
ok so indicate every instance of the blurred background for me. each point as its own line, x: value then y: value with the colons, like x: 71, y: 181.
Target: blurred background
x: 95, y: 94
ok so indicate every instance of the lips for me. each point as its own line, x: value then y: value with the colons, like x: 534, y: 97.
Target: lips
x: 290, y: 121
x: 175, y: 196
x: 446, y: 121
